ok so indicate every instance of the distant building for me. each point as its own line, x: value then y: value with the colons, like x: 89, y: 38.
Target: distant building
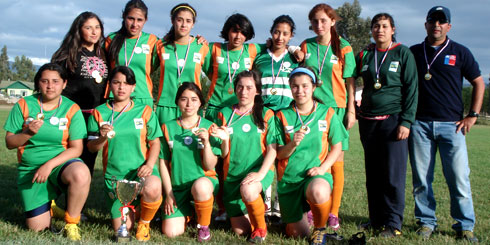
x: 16, y: 88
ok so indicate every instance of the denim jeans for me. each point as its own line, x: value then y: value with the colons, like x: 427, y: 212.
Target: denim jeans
x: 426, y: 137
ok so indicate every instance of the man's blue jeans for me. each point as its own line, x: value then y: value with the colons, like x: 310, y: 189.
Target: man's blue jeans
x: 426, y: 137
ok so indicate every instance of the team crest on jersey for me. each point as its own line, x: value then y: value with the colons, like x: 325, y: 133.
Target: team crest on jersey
x: 165, y: 56
x: 308, y: 55
x: 197, y: 58
x: 230, y: 130
x: 334, y: 59
x: 138, y: 50
x: 246, y: 127
x: 394, y: 66
x: 450, y: 60
x: 188, y: 140
x: 286, y: 67
x: 289, y: 129
x: 364, y: 68
x: 247, y: 62
x: 146, y: 48
x: 322, y: 125
x: 220, y: 60
x: 170, y: 144
x: 138, y: 123
x: 63, y: 124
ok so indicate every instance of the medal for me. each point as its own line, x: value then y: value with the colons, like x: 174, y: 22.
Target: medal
x: 40, y: 116
x: 230, y: 90
x: 195, y: 130
x: 320, y: 82
x: 320, y: 67
x: 188, y: 140
x: 273, y: 91
x: 304, y: 126
x: 200, y: 145
x: 428, y: 76
x: 111, y: 134
x: 377, y: 84
x: 98, y: 79
x: 54, y: 120
x: 96, y: 75
x: 29, y: 120
x: 235, y: 66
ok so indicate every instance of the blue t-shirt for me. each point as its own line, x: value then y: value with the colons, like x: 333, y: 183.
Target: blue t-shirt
x: 440, y: 97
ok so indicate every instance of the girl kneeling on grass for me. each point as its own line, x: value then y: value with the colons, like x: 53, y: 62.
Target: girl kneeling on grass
x: 307, y: 129
x: 129, y: 133
x: 248, y: 133
x: 48, y: 130
x: 188, y: 157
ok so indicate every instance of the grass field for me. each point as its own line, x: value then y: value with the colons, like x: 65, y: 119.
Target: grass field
x: 352, y: 213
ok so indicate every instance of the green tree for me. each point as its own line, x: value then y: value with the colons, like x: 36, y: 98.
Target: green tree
x: 5, y: 72
x: 24, y: 69
x: 352, y: 27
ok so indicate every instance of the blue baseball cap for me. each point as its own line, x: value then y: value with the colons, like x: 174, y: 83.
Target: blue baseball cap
x: 439, y: 9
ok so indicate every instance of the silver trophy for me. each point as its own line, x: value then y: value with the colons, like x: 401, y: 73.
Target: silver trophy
x: 126, y: 191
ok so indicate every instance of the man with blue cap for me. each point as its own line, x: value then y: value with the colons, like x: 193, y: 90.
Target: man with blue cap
x: 440, y: 124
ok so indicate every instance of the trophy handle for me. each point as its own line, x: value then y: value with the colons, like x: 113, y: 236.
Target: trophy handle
x: 114, y: 181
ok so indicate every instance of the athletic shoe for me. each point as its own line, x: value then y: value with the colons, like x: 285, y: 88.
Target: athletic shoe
x: 333, y: 222
x: 221, y: 218
x: 365, y: 226
x: 56, y: 212
x: 203, y: 233
x: 390, y: 232
x: 72, y: 232
x: 143, y: 232
x: 468, y: 236
x: 318, y: 236
x: 258, y: 236
x: 424, y: 232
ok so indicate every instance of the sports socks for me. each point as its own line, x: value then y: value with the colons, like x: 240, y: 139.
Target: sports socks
x: 203, y: 211
x: 256, y: 211
x: 338, y: 186
x: 320, y: 213
x: 149, y: 209
x: 71, y: 220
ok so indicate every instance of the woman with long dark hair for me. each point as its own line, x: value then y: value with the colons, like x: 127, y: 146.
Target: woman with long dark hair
x: 48, y: 131
x: 181, y: 58
x: 82, y: 55
x: 248, y: 133
x: 388, y: 107
x: 132, y: 47
x: 332, y: 58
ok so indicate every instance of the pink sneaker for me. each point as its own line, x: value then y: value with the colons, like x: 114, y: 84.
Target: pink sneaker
x: 333, y: 222
x: 203, y: 233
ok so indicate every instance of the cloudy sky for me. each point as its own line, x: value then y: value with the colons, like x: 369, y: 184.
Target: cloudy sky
x: 35, y: 28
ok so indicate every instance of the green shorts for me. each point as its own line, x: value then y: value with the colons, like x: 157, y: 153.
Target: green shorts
x: 232, y: 197
x: 341, y: 114
x: 35, y: 195
x: 185, y: 200
x: 113, y: 204
x: 292, y: 197
x: 167, y: 113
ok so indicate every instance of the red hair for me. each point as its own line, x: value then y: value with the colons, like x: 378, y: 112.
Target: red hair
x: 334, y: 37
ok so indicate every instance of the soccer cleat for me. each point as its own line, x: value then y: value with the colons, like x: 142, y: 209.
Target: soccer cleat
x: 424, y: 232
x: 258, y: 236
x: 390, y: 232
x: 318, y: 236
x: 56, y: 212
x: 143, y: 232
x: 72, y: 232
x: 468, y: 236
x: 333, y: 222
x: 203, y: 233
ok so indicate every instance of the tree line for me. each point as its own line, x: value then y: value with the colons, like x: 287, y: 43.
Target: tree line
x: 22, y: 69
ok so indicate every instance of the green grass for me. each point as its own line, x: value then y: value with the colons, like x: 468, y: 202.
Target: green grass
x: 353, y: 211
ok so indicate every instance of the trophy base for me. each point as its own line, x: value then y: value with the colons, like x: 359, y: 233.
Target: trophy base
x: 123, y: 239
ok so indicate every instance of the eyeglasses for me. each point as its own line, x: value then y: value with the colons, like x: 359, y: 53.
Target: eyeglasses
x: 440, y: 20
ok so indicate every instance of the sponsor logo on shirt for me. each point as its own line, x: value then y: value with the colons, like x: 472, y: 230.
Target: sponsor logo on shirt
x: 165, y: 56
x: 197, y: 57
x: 307, y: 55
x: 450, y: 59
x: 230, y: 130
x: 146, y: 48
x: 170, y: 144
x: 394, y: 66
x: 63, y: 123
x: 220, y: 60
x: 322, y: 125
x: 138, y: 123
x: 364, y: 68
x: 247, y: 62
x: 334, y: 59
x: 289, y: 129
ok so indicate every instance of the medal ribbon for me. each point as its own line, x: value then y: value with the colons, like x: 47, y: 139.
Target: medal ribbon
x: 197, y: 124
x: 320, y: 68
x: 299, y: 117
x: 229, y: 124
x: 55, y: 112
x: 179, y: 71
x: 113, y: 120
x: 382, y: 60
x: 433, y: 59
x: 230, y: 76
x: 132, y: 53
x: 280, y: 67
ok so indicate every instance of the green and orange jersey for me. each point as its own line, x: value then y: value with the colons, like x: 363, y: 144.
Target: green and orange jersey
x: 134, y: 128
x: 179, y: 147
x: 333, y: 91
x: 52, y: 138
x: 248, y: 143
x: 325, y: 129
x: 216, y: 68
x: 169, y: 69
x: 142, y: 63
